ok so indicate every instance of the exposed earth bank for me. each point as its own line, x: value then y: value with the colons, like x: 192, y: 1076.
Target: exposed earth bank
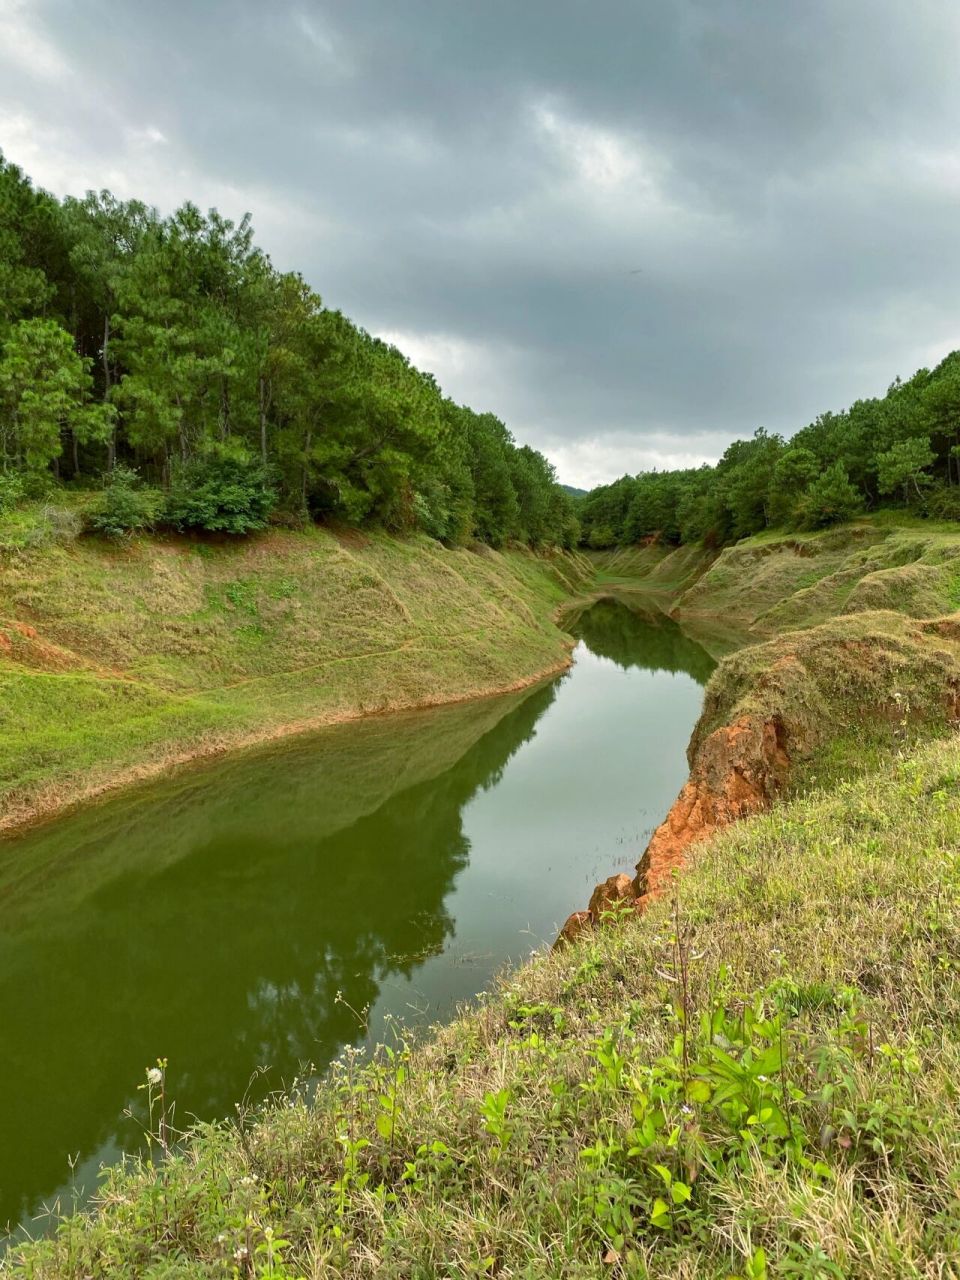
x: 856, y: 666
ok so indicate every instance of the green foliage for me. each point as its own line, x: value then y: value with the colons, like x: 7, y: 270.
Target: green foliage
x: 45, y: 389
x: 942, y: 501
x: 796, y: 469
x: 28, y: 239
x: 903, y: 448
x: 221, y: 494
x: 203, y: 346
x: 830, y: 499
x: 11, y: 490
x: 904, y: 464
x: 498, y: 508
x: 125, y: 507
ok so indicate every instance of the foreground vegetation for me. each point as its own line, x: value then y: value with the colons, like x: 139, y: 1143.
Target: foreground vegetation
x: 116, y: 661
x: 757, y: 1078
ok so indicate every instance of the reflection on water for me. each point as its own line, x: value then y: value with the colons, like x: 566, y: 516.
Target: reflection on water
x: 653, y: 641
x: 237, y: 916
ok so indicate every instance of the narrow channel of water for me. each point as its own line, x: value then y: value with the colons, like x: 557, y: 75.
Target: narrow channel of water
x: 236, y: 916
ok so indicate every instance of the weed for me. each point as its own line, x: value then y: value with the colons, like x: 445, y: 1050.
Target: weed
x: 736, y: 1085
x: 242, y: 596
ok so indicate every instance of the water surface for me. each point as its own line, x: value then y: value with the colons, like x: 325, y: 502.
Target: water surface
x: 243, y: 914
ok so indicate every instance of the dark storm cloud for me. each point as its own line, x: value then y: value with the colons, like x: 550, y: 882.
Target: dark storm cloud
x: 634, y: 230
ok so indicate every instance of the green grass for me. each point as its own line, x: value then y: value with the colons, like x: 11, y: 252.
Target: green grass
x: 878, y: 676
x: 118, y: 659
x: 778, y: 582
x: 854, y: 751
x: 757, y: 1079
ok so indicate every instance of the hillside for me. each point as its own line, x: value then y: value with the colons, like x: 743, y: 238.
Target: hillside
x: 119, y: 660
x: 743, y: 1071
x: 777, y: 581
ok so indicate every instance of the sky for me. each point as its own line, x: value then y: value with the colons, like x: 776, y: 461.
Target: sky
x: 633, y: 230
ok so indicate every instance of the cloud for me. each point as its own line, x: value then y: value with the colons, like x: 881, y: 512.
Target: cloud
x: 24, y: 47
x: 633, y: 231
x: 599, y: 459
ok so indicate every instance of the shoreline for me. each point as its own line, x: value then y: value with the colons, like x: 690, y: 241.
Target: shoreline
x: 42, y: 809
x: 200, y: 656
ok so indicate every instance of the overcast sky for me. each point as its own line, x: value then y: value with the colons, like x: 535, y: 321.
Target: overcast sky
x: 633, y: 230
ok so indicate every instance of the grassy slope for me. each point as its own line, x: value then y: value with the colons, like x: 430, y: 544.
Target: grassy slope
x: 776, y: 583
x: 115, y: 661
x: 843, y: 692
x: 756, y: 1079
x: 769, y: 1063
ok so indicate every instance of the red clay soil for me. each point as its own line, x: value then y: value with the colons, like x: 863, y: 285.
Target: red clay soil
x: 25, y: 645
x: 738, y: 770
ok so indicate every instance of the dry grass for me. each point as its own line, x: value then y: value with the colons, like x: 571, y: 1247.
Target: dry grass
x: 867, y: 674
x: 115, y: 662
x: 781, y: 1042
x: 776, y: 583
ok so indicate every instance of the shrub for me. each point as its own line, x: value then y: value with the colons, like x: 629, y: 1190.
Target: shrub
x: 125, y: 507
x: 11, y: 490
x: 38, y: 486
x: 222, y: 495
x: 33, y: 525
x: 943, y: 502
x: 602, y: 536
x: 830, y: 499
x: 63, y: 523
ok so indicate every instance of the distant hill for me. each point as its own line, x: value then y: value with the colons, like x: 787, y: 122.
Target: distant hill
x: 574, y: 493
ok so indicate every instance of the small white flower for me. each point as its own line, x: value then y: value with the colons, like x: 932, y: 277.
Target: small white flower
x: 154, y: 1076
x: 241, y: 1253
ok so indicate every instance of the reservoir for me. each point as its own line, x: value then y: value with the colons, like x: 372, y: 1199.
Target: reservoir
x: 249, y: 919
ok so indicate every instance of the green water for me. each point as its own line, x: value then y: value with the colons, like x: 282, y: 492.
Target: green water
x: 213, y: 919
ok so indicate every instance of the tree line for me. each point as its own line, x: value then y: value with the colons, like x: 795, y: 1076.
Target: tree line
x: 168, y: 360
x: 899, y: 450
